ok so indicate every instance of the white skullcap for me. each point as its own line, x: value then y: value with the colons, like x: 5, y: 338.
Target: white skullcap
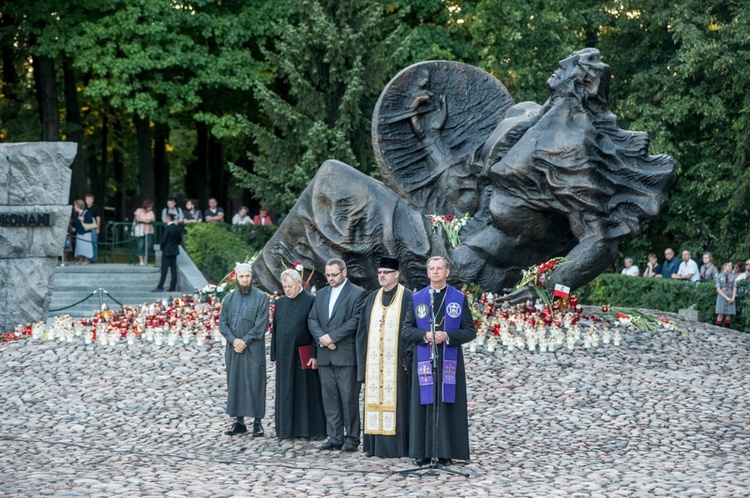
x: 243, y: 267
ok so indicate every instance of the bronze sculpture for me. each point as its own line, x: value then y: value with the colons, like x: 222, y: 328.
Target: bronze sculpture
x: 540, y: 181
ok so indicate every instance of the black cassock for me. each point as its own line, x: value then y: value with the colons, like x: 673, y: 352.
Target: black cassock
x: 398, y: 445
x: 299, y: 403
x: 453, y: 418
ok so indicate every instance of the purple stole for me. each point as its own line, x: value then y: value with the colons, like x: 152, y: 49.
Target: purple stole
x: 453, y: 306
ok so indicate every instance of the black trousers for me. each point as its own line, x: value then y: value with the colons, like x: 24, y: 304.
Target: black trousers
x: 168, y: 263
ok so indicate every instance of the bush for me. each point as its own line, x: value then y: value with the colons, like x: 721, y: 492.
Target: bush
x: 662, y: 294
x: 215, y: 249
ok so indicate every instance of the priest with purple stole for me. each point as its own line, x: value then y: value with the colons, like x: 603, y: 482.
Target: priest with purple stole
x: 445, y: 307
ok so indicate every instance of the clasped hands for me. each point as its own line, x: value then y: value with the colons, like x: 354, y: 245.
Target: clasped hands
x: 239, y: 345
x: 440, y: 337
x: 326, y: 341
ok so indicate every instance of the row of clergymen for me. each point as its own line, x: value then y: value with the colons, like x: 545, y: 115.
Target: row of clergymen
x: 326, y: 346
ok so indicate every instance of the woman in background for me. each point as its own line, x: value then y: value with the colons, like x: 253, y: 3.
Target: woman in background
x: 726, y: 288
x: 84, y: 239
x: 144, y: 229
x: 708, y: 270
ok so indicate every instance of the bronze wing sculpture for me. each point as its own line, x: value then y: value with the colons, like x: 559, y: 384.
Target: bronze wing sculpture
x: 540, y: 181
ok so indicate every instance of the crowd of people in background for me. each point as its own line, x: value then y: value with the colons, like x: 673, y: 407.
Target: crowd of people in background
x: 83, y: 236
x: 687, y: 269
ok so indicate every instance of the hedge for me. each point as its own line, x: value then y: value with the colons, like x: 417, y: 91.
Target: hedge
x: 216, y: 247
x: 664, y: 295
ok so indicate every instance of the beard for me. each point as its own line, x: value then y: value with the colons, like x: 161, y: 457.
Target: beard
x: 245, y: 289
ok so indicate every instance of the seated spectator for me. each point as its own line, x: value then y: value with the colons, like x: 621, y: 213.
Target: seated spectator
x: 263, y: 218
x: 670, y: 265
x: 630, y: 270
x: 192, y: 214
x: 172, y: 209
x: 242, y: 217
x: 688, y: 269
x: 214, y: 213
x: 739, y: 270
x: 653, y: 268
x: 708, y: 271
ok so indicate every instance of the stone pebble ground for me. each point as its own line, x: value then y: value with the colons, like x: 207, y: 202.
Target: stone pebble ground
x: 665, y: 414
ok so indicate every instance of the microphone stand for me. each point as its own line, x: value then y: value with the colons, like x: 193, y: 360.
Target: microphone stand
x: 435, y: 355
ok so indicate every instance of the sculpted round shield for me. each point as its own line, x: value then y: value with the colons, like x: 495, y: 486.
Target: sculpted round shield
x: 435, y: 109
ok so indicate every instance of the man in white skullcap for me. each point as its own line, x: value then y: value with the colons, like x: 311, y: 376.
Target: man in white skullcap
x: 244, y: 322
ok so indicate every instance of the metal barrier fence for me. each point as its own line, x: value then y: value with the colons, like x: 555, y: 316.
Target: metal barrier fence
x: 118, y: 241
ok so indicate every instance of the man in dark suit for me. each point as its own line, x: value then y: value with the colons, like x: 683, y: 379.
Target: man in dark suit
x: 171, y: 239
x: 333, y: 323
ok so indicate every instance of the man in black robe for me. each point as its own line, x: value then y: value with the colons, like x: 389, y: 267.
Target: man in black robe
x: 243, y: 323
x: 383, y: 365
x: 299, y: 403
x: 445, y: 384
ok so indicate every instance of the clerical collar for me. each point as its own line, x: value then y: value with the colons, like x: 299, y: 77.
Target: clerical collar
x: 438, y: 291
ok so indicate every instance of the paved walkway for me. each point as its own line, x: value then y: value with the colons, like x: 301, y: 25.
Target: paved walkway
x: 662, y: 415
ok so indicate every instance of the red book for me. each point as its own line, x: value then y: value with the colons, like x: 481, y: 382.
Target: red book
x: 304, y: 356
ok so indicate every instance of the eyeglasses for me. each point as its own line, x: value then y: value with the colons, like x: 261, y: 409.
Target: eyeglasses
x: 332, y: 275
x: 386, y: 272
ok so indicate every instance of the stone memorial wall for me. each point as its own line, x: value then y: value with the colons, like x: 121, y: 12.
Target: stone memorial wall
x: 34, y: 214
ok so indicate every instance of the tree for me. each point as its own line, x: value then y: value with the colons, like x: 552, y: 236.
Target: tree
x: 328, y: 67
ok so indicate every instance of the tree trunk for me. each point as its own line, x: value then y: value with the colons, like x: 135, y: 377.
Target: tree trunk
x: 46, y: 94
x: 9, y: 83
x: 145, y: 158
x: 118, y: 165
x: 218, y: 182
x: 74, y: 129
x: 161, y: 166
x: 196, y: 184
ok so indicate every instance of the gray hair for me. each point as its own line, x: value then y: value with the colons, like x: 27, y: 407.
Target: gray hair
x: 292, y: 274
x: 435, y: 258
x: 628, y: 259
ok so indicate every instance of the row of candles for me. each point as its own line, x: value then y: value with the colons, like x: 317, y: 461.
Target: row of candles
x: 538, y: 327
x: 185, y: 319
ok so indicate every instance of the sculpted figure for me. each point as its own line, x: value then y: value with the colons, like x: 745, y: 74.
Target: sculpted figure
x: 558, y: 179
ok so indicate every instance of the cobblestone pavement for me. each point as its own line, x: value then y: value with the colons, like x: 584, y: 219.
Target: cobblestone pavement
x: 664, y: 414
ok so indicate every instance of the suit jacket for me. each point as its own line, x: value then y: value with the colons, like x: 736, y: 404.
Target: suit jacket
x: 171, y: 239
x: 341, y: 327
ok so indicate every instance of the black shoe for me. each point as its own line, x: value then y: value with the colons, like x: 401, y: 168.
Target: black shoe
x: 157, y: 289
x: 445, y: 461
x: 328, y: 446
x: 349, y: 447
x: 421, y: 461
x: 237, y: 428
x: 257, y: 429
x: 172, y: 290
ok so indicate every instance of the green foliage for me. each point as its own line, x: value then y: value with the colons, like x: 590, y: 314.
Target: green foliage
x: 329, y: 64
x: 660, y: 294
x: 215, y: 249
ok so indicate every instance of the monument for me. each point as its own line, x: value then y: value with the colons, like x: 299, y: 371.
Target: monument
x: 537, y: 181
x: 34, y: 214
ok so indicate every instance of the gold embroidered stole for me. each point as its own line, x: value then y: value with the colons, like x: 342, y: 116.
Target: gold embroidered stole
x: 381, y: 369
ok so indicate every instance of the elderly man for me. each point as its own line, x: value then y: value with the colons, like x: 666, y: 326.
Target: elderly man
x: 299, y: 403
x: 688, y: 269
x: 243, y: 323
x: 670, y: 265
x: 383, y: 365
x: 437, y: 323
x: 333, y: 323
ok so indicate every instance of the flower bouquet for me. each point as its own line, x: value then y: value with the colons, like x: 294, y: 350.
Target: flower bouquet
x: 450, y: 224
x: 536, y: 277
